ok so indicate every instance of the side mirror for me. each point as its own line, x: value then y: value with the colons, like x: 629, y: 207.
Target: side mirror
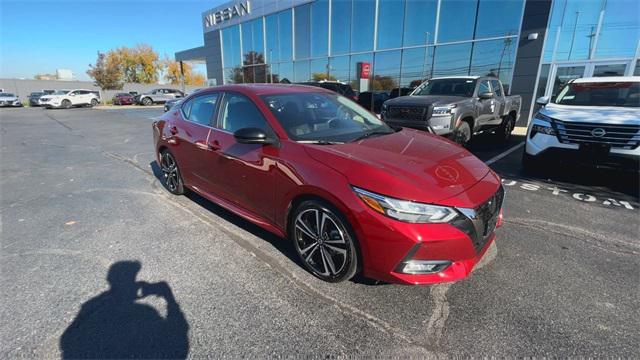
x: 543, y: 100
x: 253, y: 136
x: 486, y: 95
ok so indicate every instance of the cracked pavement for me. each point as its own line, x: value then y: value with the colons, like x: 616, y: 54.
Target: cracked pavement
x: 79, y: 193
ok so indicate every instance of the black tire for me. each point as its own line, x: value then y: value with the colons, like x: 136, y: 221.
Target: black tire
x: 171, y: 176
x: 462, y: 134
x: 66, y: 104
x: 329, y: 254
x: 506, y: 128
x: 147, y: 101
x: 94, y: 102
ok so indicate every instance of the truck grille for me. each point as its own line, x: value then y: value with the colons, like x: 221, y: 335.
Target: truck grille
x: 407, y: 113
x: 616, y: 135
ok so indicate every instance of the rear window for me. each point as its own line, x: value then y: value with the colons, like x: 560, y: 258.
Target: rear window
x: 624, y: 94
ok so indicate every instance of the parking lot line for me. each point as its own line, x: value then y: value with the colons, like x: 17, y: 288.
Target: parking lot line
x: 505, y: 153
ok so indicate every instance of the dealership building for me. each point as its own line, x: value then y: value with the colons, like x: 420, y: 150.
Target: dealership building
x: 533, y: 46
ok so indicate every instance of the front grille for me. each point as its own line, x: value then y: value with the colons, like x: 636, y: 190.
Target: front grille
x: 407, y: 113
x: 480, y: 223
x: 621, y: 136
x: 44, y: 100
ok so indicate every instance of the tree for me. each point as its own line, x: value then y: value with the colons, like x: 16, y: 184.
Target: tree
x: 174, y: 76
x: 253, y: 71
x: 106, y: 72
x: 318, y: 76
x: 383, y: 83
x: 140, y: 64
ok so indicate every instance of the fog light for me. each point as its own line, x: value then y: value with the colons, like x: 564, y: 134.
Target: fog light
x: 424, y: 266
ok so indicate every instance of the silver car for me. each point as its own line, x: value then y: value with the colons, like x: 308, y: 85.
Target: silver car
x: 158, y: 96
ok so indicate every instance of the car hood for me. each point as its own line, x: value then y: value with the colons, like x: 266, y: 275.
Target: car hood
x: 408, y: 164
x: 424, y: 100
x: 593, y: 114
x: 9, y: 98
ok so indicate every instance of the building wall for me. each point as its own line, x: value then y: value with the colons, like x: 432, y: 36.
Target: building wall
x: 23, y: 87
x: 536, y: 16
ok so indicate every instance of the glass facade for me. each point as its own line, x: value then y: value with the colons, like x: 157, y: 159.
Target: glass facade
x: 589, y: 38
x: 403, y: 41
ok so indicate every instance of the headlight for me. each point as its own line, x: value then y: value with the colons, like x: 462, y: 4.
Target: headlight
x: 441, y: 111
x: 542, y: 128
x: 408, y: 211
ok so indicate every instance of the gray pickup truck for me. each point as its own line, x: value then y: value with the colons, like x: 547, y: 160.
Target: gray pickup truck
x: 456, y: 107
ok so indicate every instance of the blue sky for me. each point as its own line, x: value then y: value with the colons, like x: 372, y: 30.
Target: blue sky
x: 42, y: 36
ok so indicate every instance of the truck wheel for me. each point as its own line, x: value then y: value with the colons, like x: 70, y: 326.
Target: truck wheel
x: 147, y: 101
x: 506, y: 128
x: 462, y: 134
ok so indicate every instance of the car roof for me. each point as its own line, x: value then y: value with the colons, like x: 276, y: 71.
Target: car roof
x: 462, y: 77
x: 607, y: 79
x: 270, y: 89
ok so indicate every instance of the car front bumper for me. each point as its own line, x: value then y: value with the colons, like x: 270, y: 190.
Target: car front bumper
x: 548, y: 147
x: 388, y: 244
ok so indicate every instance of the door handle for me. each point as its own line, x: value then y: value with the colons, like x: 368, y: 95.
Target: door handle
x: 173, y: 130
x: 215, y: 145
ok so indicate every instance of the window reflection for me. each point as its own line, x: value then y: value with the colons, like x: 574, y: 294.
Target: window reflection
x: 416, y: 66
x: 494, y: 58
x: 498, y: 18
x: 386, y: 70
x: 285, y: 73
x: 420, y: 22
x: 285, y: 23
x: 339, y: 68
x: 452, y: 60
x: 457, y: 20
x: 302, y: 31
x: 340, y: 26
x: 278, y: 36
x: 354, y: 78
x: 390, y: 24
x: 319, y: 69
x: 578, y: 20
x: 231, y: 46
x: 620, y: 29
x: 363, y: 24
x: 301, y: 71
x: 252, y: 42
x: 319, y: 27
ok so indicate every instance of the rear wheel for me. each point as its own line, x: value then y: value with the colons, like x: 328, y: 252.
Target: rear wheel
x: 94, y: 102
x: 506, y: 128
x: 462, y: 134
x: 147, y: 101
x: 324, y: 242
x: 171, y: 173
x: 66, y: 104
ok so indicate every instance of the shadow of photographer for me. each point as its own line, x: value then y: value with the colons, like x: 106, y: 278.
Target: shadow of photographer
x: 115, y: 325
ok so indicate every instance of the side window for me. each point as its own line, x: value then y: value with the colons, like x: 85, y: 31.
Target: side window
x: 240, y: 112
x: 497, y: 89
x: 484, y: 87
x: 200, y: 109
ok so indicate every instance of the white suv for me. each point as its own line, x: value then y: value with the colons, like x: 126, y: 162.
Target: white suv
x: 67, y: 98
x: 592, y: 120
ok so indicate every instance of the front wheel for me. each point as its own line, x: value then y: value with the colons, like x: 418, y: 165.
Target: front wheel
x: 66, y: 104
x: 530, y: 163
x: 171, y: 173
x: 324, y: 242
x: 462, y: 134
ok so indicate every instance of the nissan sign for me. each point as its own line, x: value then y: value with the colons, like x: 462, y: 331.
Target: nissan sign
x: 237, y: 10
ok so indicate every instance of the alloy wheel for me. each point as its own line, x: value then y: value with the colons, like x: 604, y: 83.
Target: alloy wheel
x: 170, y: 173
x: 322, y: 243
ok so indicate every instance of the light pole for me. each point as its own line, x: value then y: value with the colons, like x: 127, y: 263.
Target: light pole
x: 271, y: 68
x: 424, y: 61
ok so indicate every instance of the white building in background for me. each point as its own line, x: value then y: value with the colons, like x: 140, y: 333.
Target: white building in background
x: 64, y: 74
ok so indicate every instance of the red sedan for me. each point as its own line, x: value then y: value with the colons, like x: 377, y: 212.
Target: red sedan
x: 123, y: 99
x: 352, y: 193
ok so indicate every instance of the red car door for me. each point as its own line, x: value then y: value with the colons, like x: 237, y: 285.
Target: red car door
x: 190, y: 131
x: 245, y: 172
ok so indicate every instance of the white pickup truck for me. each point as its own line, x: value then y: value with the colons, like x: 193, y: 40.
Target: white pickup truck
x: 592, y: 120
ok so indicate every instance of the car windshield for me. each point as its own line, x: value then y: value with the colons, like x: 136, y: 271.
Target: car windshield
x: 623, y: 93
x: 61, y: 92
x: 123, y: 94
x: 323, y: 117
x: 6, y: 95
x: 448, y: 87
x: 37, y: 93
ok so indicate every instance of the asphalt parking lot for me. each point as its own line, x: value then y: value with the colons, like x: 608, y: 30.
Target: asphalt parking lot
x: 81, y: 200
